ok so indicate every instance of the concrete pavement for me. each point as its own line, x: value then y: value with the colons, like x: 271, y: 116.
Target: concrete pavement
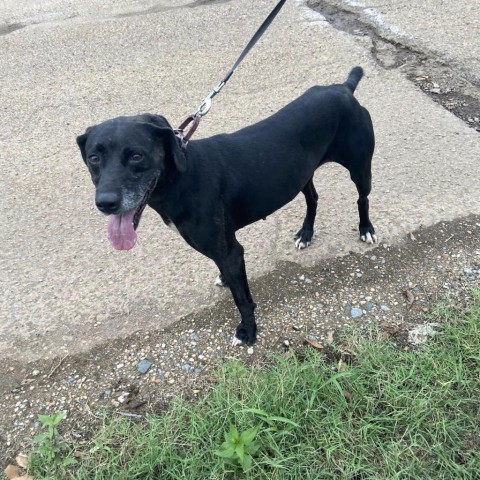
x: 65, y: 66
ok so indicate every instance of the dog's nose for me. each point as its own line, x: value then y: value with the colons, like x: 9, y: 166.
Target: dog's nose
x: 107, y: 202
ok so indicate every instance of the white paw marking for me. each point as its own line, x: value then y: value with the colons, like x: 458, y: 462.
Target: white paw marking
x: 218, y: 282
x: 236, y: 342
x: 301, y: 245
x: 369, y: 238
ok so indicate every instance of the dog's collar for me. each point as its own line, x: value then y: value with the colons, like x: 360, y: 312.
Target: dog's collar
x: 180, y: 131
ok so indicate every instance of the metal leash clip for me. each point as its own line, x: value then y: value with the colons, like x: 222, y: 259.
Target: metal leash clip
x: 205, y: 106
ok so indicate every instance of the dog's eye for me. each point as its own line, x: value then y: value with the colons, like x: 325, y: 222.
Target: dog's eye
x: 136, y: 157
x: 94, y: 159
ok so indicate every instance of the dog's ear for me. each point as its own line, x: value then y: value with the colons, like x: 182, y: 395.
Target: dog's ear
x: 81, y: 141
x: 172, y: 147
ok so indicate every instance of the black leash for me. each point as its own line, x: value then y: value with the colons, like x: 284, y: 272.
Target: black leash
x: 205, y: 106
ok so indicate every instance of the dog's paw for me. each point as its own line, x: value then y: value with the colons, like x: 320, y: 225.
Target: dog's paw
x: 243, y: 334
x: 369, y: 238
x: 367, y: 235
x: 220, y: 281
x: 303, y: 238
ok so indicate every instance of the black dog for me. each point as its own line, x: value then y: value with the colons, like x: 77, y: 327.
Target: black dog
x: 223, y: 183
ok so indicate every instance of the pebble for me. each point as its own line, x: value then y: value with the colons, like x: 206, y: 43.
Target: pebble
x: 123, y: 397
x: 144, y: 366
x: 187, y: 367
x: 250, y: 351
x: 356, y: 312
x: 385, y: 308
x: 468, y: 271
x: 369, y: 306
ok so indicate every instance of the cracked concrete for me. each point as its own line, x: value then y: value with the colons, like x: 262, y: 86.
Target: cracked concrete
x: 443, y: 82
x: 446, y: 29
x: 72, y: 65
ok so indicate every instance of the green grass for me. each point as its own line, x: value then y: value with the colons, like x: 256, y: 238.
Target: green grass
x: 406, y: 415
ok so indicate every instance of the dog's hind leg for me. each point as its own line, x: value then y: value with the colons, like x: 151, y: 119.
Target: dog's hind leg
x: 303, y: 237
x: 231, y: 264
x: 363, y: 182
x: 355, y: 153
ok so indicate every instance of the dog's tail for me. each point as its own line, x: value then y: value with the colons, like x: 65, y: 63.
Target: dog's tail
x: 353, y: 78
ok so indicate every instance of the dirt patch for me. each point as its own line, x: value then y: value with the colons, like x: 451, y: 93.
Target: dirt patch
x: 442, y: 83
x: 392, y: 288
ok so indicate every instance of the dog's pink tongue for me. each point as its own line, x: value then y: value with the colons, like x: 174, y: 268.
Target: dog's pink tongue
x: 120, y: 232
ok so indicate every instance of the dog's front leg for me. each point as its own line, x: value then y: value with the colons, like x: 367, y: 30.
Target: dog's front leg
x: 232, y: 267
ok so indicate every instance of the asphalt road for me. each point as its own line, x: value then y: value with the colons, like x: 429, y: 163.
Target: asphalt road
x: 65, y: 65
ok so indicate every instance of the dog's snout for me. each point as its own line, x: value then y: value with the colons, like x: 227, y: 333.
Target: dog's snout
x: 108, y: 202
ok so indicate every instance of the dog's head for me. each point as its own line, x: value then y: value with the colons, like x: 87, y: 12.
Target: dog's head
x: 127, y: 157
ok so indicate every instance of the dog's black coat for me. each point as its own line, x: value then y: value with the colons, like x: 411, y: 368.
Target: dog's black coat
x: 222, y: 183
